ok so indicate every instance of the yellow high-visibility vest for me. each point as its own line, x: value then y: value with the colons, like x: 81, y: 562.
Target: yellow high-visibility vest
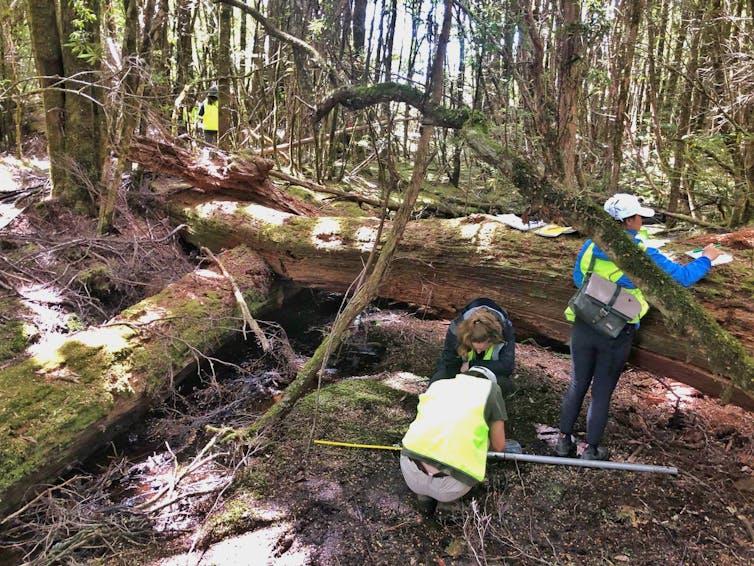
x: 211, y: 117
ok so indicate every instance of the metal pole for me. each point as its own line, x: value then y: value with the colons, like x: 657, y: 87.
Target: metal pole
x: 556, y: 460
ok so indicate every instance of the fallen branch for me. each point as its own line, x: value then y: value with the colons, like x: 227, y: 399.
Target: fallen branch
x: 247, y: 318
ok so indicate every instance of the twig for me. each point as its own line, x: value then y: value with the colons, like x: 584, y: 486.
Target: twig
x: 45, y: 493
x: 247, y: 318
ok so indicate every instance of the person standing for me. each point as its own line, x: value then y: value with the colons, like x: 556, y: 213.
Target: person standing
x: 596, y: 359
x: 209, y: 116
x: 444, y: 451
x: 482, y: 335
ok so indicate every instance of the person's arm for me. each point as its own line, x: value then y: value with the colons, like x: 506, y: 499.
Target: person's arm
x: 495, y: 414
x: 497, y: 436
x: 687, y: 274
x: 578, y: 277
x: 450, y: 362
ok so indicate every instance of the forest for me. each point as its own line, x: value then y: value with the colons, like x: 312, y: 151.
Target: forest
x: 229, y: 228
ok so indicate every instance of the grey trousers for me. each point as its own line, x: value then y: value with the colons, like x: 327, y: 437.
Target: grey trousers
x: 445, y: 488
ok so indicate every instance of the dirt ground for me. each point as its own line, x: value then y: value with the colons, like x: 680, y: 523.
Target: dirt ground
x: 289, y: 500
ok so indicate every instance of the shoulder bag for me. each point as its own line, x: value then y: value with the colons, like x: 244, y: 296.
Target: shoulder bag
x: 602, y: 304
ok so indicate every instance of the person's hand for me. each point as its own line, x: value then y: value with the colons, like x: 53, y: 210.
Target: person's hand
x: 711, y: 251
x: 464, y: 366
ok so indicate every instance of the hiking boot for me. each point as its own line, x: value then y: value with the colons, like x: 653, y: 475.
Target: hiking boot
x: 427, y: 504
x: 565, y: 445
x: 594, y: 453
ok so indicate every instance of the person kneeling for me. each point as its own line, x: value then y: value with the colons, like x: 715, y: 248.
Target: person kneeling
x: 444, y: 451
x: 481, y: 335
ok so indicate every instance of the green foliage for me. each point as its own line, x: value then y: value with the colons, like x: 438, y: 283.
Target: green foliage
x: 316, y: 27
x: 81, y: 41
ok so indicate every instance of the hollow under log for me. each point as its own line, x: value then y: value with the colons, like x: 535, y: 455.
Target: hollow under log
x: 441, y: 264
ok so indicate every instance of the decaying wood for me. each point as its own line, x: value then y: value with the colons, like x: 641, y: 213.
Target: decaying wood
x: 441, y: 264
x: 246, y: 177
x: 73, y: 394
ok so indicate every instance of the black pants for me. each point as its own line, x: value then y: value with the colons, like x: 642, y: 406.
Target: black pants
x: 597, y: 362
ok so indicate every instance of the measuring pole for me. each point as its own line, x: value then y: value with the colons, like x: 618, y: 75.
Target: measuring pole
x: 533, y: 458
x: 604, y: 464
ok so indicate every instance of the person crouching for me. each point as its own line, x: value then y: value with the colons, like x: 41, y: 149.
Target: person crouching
x: 444, y: 451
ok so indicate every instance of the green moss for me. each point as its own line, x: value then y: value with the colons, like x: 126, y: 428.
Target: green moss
x: 255, y: 482
x: 39, y: 414
x: 73, y: 323
x: 13, y: 338
x: 360, y: 405
x: 235, y: 518
x: 301, y: 193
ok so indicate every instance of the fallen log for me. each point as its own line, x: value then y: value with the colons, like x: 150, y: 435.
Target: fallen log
x: 441, y: 264
x: 245, y: 176
x: 71, y: 395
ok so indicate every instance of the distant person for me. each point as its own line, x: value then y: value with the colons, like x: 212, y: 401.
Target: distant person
x: 209, y: 116
x: 482, y: 335
x: 596, y: 359
x: 445, y: 448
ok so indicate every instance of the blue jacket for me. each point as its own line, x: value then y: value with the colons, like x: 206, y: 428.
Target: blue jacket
x: 686, y: 275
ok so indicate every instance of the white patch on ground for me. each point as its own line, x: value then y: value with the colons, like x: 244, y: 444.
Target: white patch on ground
x: 256, y: 548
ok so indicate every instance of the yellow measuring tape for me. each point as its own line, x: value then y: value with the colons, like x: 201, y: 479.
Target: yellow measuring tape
x: 349, y: 445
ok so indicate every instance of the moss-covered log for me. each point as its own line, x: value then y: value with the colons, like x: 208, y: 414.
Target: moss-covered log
x: 443, y: 263
x: 71, y: 395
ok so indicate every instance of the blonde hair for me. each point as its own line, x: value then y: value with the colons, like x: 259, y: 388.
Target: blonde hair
x: 481, y: 326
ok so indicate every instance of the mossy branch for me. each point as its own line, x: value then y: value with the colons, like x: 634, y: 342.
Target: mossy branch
x: 683, y: 315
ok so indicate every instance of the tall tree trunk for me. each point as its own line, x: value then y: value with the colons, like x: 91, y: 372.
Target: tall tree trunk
x: 621, y: 73
x: 570, y: 65
x: 10, y: 72
x: 457, y: 96
x: 225, y: 71
x: 48, y: 57
x: 359, y: 20
x: 125, y: 118
x: 683, y: 121
x: 184, y: 53
x: 84, y: 123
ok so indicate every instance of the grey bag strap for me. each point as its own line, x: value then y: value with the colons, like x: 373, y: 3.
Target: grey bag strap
x: 590, y: 271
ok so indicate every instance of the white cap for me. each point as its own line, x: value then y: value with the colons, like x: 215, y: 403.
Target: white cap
x: 482, y: 371
x: 622, y: 205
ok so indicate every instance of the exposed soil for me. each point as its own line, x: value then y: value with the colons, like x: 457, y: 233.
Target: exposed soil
x: 296, y: 502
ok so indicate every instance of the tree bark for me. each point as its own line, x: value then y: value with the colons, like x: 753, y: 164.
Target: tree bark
x: 621, y: 83
x: 247, y: 176
x: 441, y: 264
x: 225, y: 71
x: 48, y: 57
x: 72, y: 396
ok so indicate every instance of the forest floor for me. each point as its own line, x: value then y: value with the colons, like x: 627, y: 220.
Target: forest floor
x: 292, y: 501
x: 305, y: 503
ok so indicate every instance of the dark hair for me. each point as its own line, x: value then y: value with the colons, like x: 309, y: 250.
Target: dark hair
x: 482, y: 325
